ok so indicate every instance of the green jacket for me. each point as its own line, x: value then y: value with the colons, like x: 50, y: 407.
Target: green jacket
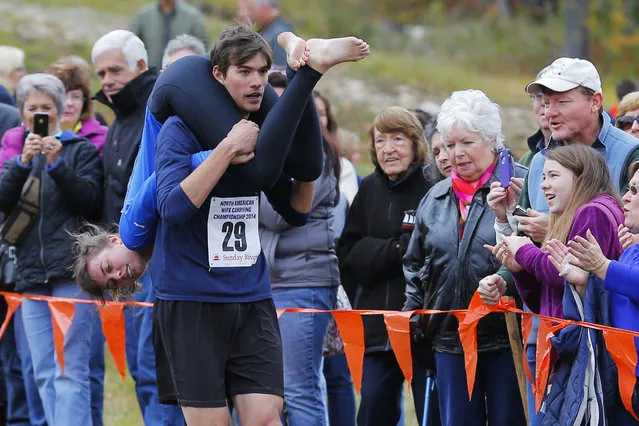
x: 149, y: 25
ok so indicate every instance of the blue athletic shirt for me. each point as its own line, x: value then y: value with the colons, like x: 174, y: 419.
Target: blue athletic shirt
x: 180, y: 267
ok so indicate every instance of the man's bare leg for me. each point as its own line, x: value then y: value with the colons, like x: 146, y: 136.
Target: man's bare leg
x: 257, y: 409
x: 322, y: 54
x: 197, y: 416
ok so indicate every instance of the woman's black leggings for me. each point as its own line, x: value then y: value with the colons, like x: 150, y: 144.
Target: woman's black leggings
x: 290, y: 138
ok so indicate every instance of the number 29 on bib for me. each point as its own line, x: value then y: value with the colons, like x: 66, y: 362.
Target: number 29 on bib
x: 233, y: 232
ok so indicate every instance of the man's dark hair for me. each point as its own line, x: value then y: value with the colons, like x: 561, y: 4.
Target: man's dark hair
x: 423, y: 117
x: 625, y: 86
x: 236, y: 46
x: 277, y: 79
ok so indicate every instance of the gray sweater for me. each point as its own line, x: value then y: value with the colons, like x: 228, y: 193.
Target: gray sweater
x: 302, y: 256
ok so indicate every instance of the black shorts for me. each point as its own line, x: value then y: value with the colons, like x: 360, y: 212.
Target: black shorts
x: 208, y: 352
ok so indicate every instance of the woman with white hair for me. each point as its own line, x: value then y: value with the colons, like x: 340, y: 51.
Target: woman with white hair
x: 51, y: 188
x: 446, y: 259
x: 11, y: 67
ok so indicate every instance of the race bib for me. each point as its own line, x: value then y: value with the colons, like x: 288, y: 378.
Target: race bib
x: 233, y: 232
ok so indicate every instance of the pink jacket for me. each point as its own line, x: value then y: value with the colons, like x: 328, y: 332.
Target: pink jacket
x: 13, y: 139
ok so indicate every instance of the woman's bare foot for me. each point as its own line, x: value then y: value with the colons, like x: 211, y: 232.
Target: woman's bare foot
x: 296, y: 49
x: 326, y: 53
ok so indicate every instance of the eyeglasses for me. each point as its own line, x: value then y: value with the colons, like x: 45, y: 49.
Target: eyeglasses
x: 626, y: 122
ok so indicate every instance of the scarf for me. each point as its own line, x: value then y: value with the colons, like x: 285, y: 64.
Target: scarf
x: 465, y: 191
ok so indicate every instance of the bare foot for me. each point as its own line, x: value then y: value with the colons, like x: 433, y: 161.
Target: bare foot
x: 326, y: 53
x: 296, y: 49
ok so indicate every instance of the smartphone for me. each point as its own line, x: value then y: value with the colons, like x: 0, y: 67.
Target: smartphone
x: 520, y: 211
x: 41, y: 124
x: 505, y: 167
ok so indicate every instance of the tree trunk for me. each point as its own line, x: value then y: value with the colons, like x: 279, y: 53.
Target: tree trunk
x: 576, y: 27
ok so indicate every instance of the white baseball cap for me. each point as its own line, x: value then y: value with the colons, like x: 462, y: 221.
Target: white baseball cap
x: 565, y: 74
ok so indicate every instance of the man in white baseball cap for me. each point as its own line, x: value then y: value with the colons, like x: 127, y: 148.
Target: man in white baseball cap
x: 566, y: 74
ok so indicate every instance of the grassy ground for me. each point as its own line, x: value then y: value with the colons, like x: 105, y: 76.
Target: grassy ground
x: 121, y: 408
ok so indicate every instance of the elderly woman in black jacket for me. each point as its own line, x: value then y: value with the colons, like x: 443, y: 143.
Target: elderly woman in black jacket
x: 370, y: 252
x: 69, y: 174
x: 446, y: 259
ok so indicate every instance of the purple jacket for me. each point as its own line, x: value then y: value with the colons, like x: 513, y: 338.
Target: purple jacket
x: 539, y: 284
x: 11, y: 144
x: 13, y: 139
x: 94, y: 132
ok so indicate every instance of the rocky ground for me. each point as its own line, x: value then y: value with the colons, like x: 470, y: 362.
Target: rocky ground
x: 355, y: 98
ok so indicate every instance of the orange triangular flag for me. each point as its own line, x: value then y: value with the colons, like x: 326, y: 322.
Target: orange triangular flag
x: 544, y: 357
x: 526, y: 328
x: 61, y: 319
x: 351, y: 328
x: 398, y: 327
x: 622, y: 349
x: 13, y: 302
x: 468, y: 336
x: 113, y: 328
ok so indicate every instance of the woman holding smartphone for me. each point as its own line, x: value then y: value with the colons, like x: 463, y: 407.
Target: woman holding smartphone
x: 69, y: 172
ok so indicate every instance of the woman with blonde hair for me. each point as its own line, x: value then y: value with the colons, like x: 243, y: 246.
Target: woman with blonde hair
x: 628, y: 114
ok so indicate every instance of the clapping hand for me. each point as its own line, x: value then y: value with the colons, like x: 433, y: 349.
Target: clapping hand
x: 566, y: 264
x: 626, y: 238
x: 505, y: 255
x: 588, y: 255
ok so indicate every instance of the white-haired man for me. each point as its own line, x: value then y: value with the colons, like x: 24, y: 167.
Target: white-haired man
x: 120, y: 61
x: 11, y: 67
x: 265, y: 14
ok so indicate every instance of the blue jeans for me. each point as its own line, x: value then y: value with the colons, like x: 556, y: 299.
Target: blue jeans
x: 382, y: 384
x: 339, y: 389
x: 302, y: 346
x: 533, y: 416
x: 495, y: 398
x: 36, y: 410
x: 141, y: 360
x: 96, y: 372
x: 66, y: 398
x: 17, y: 408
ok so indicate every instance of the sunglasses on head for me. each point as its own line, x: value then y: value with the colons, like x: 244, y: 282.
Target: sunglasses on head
x: 626, y: 122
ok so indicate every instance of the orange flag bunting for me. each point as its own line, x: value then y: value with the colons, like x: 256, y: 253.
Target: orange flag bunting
x: 61, y: 319
x: 622, y: 349
x: 544, y: 357
x: 13, y: 302
x: 351, y: 328
x: 526, y: 328
x: 468, y: 333
x: 113, y: 328
x: 398, y: 327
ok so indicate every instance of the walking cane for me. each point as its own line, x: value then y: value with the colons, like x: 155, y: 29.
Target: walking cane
x: 430, y: 387
x: 517, y: 350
